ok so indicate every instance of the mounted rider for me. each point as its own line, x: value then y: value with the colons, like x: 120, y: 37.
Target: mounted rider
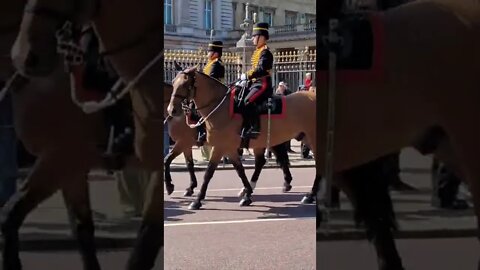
x: 215, y: 69
x: 259, y: 76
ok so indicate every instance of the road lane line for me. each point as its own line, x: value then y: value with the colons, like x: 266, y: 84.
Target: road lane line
x: 235, y: 221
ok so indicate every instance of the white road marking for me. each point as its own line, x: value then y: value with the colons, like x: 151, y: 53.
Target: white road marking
x: 237, y: 189
x: 234, y: 221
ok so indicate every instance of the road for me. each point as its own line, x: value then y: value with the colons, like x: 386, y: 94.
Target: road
x: 421, y: 254
x: 438, y: 254
x: 276, y: 232
x: 114, y: 260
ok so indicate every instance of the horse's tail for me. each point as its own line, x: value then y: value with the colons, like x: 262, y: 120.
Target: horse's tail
x: 281, y: 153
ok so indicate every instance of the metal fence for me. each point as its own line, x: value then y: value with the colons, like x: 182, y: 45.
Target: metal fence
x: 189, y: 58
x: 289, y: 66
x: 292, y: 66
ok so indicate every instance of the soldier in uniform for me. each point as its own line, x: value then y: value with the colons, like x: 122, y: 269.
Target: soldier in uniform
x: 261, y: 81
x: 215, y: 69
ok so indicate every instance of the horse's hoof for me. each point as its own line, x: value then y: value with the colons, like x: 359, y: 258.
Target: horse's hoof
x: 170, y: 188
x: 188, y: 192
x: 246, y: 201
x: 241, y: 193
x: 195, y: 205
x: 307, y: 199
x: 287, y: 188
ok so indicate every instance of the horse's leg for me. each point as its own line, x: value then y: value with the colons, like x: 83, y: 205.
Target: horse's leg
x: 76, y: 196
x: 466, y: 146
x: 369, y: 193
x: 176, y: 150
x: 259, y: 163
x: 150, y: 236
x: 311, y: 196
x: 41, y: 183
x: 215, y: 157
x: 281, y: 156
x: 191, y: 170
x: 237, y: 164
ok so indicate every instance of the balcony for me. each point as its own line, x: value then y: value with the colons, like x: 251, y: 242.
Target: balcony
x: 280, y: 32
x: 297, y: 28
x: 169, y: 28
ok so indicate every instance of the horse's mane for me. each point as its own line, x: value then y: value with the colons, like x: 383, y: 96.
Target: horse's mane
x: 210, y: 78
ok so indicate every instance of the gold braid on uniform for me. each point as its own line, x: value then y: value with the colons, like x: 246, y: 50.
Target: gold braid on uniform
x: 208, y: 66
x: 254, y: 60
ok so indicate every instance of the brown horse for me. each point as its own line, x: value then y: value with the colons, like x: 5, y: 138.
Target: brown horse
x: 68, y: 137
x: 63, y: 142
x: 428, y: 81
x: 213, y: 101
x: 185, y: 138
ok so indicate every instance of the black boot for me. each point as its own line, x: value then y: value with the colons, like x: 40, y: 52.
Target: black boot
x: 202, y: 135
x: 254, y: 119
x: 120, y: 118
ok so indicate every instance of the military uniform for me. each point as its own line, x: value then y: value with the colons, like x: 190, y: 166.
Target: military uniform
x: 261, y: 82
x: 215, y: 69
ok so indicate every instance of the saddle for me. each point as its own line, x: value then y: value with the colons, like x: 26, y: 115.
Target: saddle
x: 237, y: 104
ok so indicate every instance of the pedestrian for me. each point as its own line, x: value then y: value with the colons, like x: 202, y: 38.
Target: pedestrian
x: 308, y: 81
x: 283, y: 90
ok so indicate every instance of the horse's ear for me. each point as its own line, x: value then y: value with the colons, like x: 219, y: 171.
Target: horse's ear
x: 177, y: 66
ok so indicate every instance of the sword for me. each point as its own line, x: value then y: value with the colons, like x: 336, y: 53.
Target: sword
x: 269, y: 106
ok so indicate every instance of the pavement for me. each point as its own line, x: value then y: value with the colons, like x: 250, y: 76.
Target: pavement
x: 416, y: 254
x: 47, y: 228
x: 296, y: 160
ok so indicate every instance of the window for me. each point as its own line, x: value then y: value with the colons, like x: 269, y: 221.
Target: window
x: 290, y: 18
x: 310, y: 18
x: 251, y: 9
x: 168, y: 11
x: 268, y: 18
x: 208, y: 14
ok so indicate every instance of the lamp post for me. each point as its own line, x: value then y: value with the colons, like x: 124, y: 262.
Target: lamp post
x: 245, y: 43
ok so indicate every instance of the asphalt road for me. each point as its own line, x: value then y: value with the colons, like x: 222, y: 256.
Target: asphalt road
x: 275, y: 232
x: 114, y: 260
x: 262, y: 253
x: 421, y: 254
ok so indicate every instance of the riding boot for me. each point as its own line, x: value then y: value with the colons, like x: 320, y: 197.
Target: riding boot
x: 254, y: 130
x: 202, y: 134
x: 119, y: 118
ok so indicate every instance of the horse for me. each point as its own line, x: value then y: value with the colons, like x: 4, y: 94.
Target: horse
x: 214, y: 102
x: 419, y: 84
x: 65, y: 141
x: 185, y: 138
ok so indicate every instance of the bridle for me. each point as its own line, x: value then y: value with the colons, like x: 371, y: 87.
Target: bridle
x: 69, y: 40
x: 190, y: 95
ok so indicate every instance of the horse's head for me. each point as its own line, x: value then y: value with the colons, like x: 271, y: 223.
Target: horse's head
x: 183, y: 89
x: 34, y: 52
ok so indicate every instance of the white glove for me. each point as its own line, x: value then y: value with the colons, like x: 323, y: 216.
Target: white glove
x: 243, y: 77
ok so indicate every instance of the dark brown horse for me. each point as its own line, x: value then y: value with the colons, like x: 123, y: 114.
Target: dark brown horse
x: 425, y: 83
x: 129, y: 50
